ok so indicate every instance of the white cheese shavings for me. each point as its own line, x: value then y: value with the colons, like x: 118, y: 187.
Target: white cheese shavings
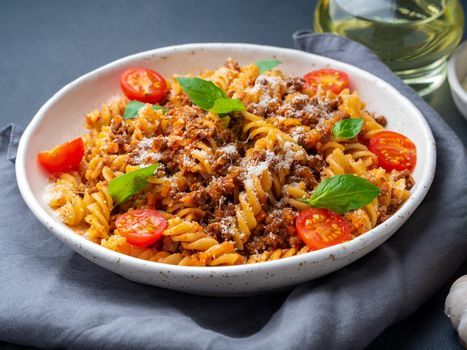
x: 272, y: 81
x: 227, y: 225
x: 200, y: 153
x: 291, y: 152
x: 229, y: 149
x: 187, y: 161
x: 145, y: 143
x: 144, y: 154
x: 257, y: 170
x: 147, y: 157
x: 48, y: 193
x: 310, y: 108
x: 266, y: 100
x: 297, y: 133
x: 299, y: 98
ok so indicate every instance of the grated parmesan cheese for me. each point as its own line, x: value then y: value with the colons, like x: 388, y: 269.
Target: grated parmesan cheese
x: 145, y: 143
x: 299, y: 98
x: 266, y: 100
x: 291, y: 153
x: 229, y: 149
x: 200, y: 153
x: 144, y: 154
x: 257, y: 169
x: 227, y: 225
x: 48, y: 193
x: 187, y: 161
x: 297, y: 133
x: 310, y: 108
x: 272, y: 81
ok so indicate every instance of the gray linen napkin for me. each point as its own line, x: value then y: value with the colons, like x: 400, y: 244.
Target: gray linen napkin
x: 52, y: 297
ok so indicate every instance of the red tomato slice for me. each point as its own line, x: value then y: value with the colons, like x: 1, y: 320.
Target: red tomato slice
x: 141, y: 227
x: 320, y: 228
x: 64, y: 157
x: 328, y: 79
x: 143, y: 84
x: 394, y: 151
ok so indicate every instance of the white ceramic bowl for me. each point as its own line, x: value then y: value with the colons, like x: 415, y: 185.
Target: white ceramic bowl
x: 62, y: 118
x: 457, y: 71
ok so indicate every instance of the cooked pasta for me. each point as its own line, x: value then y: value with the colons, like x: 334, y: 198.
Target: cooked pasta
x: 229, y: 186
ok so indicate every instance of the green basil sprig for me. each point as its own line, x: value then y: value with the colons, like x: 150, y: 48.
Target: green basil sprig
x: 227, y: 105
x: 209, y: 96
x: 342, y: 193
x: 132, y: 108
x: 266, y: 65
x: 347, y: 128
x: 124, y: 186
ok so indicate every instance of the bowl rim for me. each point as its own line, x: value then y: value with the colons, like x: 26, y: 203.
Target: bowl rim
x: 335, y: 252
x: 453, y: 78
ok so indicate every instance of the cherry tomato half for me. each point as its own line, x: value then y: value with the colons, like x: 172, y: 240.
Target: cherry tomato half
x: 320, y: 228
x: 141, y: 227
x: 328, y: 79
x: 143, y: 84
x: 394, y: 151
x: 64, y: 157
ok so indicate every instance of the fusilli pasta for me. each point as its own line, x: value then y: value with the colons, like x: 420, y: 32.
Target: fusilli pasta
x: 231, y: 186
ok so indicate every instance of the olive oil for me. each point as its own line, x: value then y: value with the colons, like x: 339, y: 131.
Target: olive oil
x: 413, y: 37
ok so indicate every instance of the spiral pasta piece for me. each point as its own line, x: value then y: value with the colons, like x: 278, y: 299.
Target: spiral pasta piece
x: 340, y: 163
x: 98, y: 217
x: 251, y: 201
x: 297, y: 191
x: 146, y: 124
x: 208, y: 251
x: 257, y: 126
x: 94, y: 168
x: 370, y: 127
x: 351, y: 104
x: 229, y: 185
x: 276, y: 254
x: 363, y: 220
x: 186, y: 211
x: 359, y: 151
x: 66, y: 199
x: 203, y: 155
x: 238, y: 88
x: 102, y: 117
x: 222, y: 76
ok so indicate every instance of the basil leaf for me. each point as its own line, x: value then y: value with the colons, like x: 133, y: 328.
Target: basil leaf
x: 124, y: 186
x: 227, y: 105
x: 266, y: 65
x: 347, y: 128
x: 202, y: 93
x: 342, y: 193
x: 133, y: 107
x: 160, y: 108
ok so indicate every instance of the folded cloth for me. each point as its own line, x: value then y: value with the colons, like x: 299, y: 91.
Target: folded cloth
x: 51, y: 297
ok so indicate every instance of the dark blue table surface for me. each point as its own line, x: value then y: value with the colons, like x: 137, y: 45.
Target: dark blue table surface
x: 46, y: 44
